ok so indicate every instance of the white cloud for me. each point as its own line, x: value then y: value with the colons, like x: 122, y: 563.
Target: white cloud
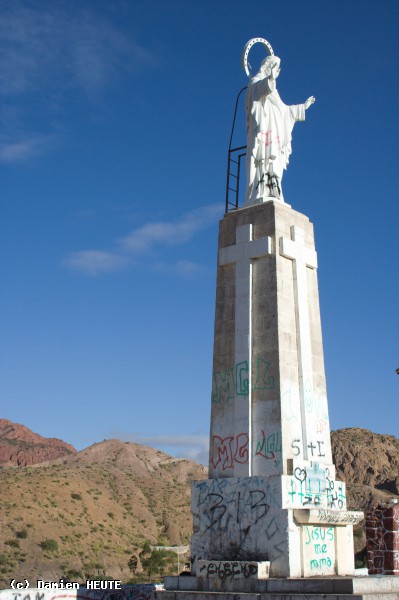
x: 47, y: 50
x: 148, y: 239
x: 62, y: 45
x: 20, y: 151
x: 147, y: 236
x: 95, y: 262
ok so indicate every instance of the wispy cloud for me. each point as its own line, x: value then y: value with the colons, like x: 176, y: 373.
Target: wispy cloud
x: 170, y: 233
x: 185, y: 268
x: 95, y: 262
x: 17, y: 151
x: 62, y: 45
x: 48, y: 49
x: 194, y: 447
x: 148, y: 239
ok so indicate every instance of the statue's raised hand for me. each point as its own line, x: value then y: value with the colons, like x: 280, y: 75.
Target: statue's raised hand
x: 309, y: 101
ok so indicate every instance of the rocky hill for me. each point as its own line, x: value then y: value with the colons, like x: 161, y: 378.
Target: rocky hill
x: 85, y: 514
x: 369, y: 463
x: 19, y: 446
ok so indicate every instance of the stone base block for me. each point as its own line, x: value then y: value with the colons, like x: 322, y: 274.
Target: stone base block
x: 242, y: 519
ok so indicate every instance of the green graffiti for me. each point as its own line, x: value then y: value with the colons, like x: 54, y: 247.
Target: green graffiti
x: 223, y: 386
x: 264, y: 381
x: 242, y: 379
x: 269, y: 446
x: 235, y: 382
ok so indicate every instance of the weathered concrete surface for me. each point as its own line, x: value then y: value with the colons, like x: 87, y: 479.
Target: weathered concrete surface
x: 245, y: 519
x: 369, y: 588
x: 172, y: 595
x: 268, y: 369
x: 241, y: 519
x: 270, y: 450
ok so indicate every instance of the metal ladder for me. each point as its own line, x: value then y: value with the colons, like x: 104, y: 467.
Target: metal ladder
x: 234, y: 157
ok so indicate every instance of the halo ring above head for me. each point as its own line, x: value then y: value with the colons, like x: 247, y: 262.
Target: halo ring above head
x: 244, y: 61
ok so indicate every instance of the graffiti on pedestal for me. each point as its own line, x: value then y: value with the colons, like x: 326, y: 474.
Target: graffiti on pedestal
x: 228, y: 450
x: 234, y: 511
x: 315, y: 407
x: 231, y: 449
x: 269, y: 446
x: 311, y: 486
x: 232, y: 382
x: 263, y: 380
x: 319, y: 550
x: 229, y: 569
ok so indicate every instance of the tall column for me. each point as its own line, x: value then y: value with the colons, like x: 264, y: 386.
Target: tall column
x: 269, y: 400
x: 272, y: 493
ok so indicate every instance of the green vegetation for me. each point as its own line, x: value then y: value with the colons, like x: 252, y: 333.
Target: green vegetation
x: 154, y: 563
x: 49, y: 545
x: 22, y: 534
x: 360, y: 563
x: 358, y: 533
x: 12, y: 543
x: 93, y: 526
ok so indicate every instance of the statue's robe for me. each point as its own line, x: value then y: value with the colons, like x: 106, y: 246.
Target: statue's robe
x: 269, y: 128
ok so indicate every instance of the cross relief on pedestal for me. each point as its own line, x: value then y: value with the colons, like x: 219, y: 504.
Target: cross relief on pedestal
x: 242, y: 254
x: 303, y: 258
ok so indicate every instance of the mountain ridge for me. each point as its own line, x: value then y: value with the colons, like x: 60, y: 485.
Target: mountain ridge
x: 20, y: 446
x: 85, y: 514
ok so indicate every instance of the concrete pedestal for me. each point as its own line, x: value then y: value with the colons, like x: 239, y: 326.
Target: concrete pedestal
x: 272, y: 493
x: 271, y: 520
x: 269, y: 401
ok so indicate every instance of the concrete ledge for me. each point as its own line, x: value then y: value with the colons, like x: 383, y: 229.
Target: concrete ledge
x: 170, y: 595
x: 325, y: 516
x: 184, y: 583
x: 382, y: 585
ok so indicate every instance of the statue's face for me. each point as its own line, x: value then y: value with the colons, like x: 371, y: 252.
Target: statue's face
x: 276, y: 69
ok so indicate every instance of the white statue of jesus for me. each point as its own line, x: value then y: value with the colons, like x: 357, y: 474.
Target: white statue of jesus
x: 269, y: 127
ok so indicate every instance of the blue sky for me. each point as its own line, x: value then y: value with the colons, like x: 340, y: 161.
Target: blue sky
x: 115, y: 122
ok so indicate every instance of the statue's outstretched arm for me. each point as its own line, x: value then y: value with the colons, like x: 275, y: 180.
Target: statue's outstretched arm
x: 309, y: 102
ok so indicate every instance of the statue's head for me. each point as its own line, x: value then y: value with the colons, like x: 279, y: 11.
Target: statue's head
x: 267, y: 64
